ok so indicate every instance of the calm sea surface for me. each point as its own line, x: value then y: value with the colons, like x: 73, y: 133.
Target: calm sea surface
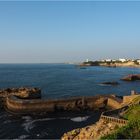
x: 58, y: 81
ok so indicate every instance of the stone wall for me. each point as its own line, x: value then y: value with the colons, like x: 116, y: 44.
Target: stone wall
x: 15, y: 104
x: 114, y: 102
x: 129, y: 99
x: 29, y: 99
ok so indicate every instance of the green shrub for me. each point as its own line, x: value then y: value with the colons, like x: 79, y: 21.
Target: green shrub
x: 133, y: 113
x: 130, y: 131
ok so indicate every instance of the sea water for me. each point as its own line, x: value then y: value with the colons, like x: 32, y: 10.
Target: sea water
x: 58, y: 81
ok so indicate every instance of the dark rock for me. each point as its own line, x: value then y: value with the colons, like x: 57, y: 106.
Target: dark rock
x: 24, y: 93
x: 132, y: 77
x: 29, y: 93
x: 111, y: 83
x: 9, y: 90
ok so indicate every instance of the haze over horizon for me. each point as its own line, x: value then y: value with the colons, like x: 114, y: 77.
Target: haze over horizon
x: 62, y: 31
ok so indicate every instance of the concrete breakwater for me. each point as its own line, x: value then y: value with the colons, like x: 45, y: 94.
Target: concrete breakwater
x: 18, y: 105
x: 28, y: 100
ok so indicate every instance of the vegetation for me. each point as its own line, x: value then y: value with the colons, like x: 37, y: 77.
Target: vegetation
x: 92, y: 63
x: 136, y: 62
x: 132, y: 129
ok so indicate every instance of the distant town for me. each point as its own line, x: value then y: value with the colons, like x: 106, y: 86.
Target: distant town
x: 112, y: 62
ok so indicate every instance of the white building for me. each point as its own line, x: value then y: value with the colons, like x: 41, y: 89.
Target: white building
x: 113, y: 60
x: 138, y: 61
x: 122, y: 60
x: 102, y: 60
x: 108, y: 60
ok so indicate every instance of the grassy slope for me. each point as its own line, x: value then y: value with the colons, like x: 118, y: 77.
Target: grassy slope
x: 130, y: 131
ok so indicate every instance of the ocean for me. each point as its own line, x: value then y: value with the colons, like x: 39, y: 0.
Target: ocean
x: 58, y: 81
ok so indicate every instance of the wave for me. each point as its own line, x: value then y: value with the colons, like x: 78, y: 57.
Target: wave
x: 23, y: 136
x: 79, y: 119
x: 29, y: 123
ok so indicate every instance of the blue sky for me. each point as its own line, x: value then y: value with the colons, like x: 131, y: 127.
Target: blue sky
x: 60, y: 31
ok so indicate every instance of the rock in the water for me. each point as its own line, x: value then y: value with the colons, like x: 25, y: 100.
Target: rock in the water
x: 29, y: 93
x: 24, y: 93
x: 132, y: 77
x: 111, y: 83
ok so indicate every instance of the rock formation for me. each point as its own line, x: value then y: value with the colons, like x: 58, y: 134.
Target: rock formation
x: 132, y: 77
x: 110, y: 83
x: 24, y: 93
x: 95, y: 131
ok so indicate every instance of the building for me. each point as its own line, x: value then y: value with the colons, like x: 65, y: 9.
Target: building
x: 113, y: 60
x: 108, y: 60
x: 138, y: 61
x: 102, y: 60
x: 122, y: 60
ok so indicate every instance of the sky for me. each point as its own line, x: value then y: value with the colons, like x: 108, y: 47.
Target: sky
x: 68, y: 31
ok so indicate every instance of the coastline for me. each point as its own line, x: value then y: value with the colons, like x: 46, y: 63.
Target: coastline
x: 109, y: 122
x: 68, y: 122
x: 23, y: 100
x: 110, y: 64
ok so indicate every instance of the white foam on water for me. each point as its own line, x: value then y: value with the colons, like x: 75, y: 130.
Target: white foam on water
x: 23, y: 136
x: 44, y: 119
x: 27, y: 118
x: 29, y: 123
x: 79, y: 119
x: 38, y: 135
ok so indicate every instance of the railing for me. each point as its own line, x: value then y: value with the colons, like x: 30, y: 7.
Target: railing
x: 107, y: 116
x: 113, y: 119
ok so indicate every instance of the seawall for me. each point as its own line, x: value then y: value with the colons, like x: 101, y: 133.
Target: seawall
x: 15, y: 104
x: 24, y: 100
x: 114, y: 102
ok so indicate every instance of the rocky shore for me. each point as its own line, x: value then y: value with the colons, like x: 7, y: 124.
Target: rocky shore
x: 110, y: 64
x: 132, y: 77
x: 23, y: 92
x: 95, y: 131
x: 108, y: 123
x: 28, y: 100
